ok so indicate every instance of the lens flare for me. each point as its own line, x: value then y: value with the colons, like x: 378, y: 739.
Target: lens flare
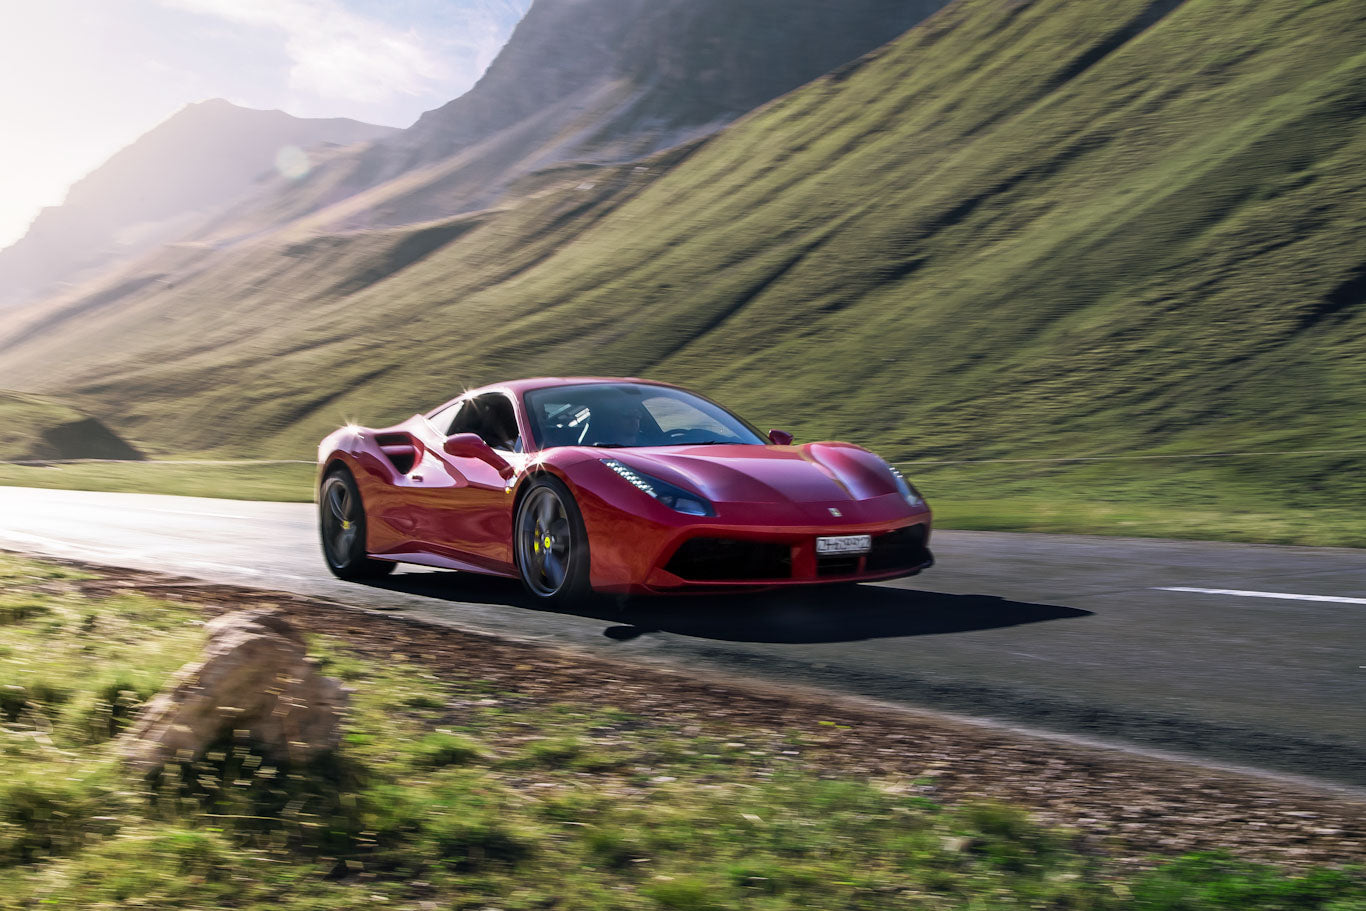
x: 292, y: 162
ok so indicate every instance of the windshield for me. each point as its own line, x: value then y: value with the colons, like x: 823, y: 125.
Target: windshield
x: 614, y: 415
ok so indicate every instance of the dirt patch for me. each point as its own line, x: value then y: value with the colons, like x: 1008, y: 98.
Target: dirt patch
x: 1131, y: 808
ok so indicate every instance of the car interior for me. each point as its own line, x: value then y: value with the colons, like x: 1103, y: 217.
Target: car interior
x: 621, y: 415
x: 492, y: 418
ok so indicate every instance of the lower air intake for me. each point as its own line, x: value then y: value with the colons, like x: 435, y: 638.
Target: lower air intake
x: 731, y: 560
x: 901, y: 549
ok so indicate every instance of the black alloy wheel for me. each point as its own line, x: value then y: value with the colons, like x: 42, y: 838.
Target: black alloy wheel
x: 551, y: 543
x: 341, y: 523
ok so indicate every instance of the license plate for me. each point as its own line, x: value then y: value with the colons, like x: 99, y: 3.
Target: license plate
x: 844, y: 544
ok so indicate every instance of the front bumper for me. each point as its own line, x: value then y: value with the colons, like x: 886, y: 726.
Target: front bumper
x: 785, y: 559
x: 752, y: 548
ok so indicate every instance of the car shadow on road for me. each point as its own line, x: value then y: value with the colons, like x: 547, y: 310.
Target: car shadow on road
x: 824, y: 614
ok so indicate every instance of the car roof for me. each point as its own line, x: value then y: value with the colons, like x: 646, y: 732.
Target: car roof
x: 518, y: 387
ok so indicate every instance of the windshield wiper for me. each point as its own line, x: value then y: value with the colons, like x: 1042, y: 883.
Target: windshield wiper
x: 608, y: 445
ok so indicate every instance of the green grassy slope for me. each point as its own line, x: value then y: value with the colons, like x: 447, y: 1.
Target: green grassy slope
x: 1045, y: 229
x: 41, y: 427
x: 23, y: 418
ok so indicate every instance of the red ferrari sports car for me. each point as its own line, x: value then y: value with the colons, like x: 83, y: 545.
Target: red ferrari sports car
x: 612, y: 485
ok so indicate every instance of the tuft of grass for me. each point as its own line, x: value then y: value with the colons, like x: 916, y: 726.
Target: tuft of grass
x: 1007, y: 838
x: 439, y: 750
x: 18, y: 610
x: 39, y: 698
x: 1213, y: 882
x: 41, y: 818
x: 613, y: 848
x: 468, y: 841
x: 686, y: 894
x: 113, y: 707
x: 562, y: 752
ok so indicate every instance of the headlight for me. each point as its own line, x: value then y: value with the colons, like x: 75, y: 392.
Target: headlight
x: 905, y: 488
x: 671, y: 495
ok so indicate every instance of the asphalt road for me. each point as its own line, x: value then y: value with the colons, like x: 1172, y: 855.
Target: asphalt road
x: 1069, y: 634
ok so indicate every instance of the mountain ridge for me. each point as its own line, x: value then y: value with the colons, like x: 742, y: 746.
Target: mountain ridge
x: 201, y: 158
x: 585, y: 81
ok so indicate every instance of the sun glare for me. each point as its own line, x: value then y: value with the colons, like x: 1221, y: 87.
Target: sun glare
x: 292, y: 162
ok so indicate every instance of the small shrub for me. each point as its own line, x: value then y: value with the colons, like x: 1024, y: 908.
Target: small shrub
x: 563, y: 753
x: 476, y: 841
x: 767, y: 878
x: 573, y: 807
x: 154, y: 868
x: 1006, y: 837
x: 36, y: 697
x: 114, y: 708
x: 551, y: 752
x: 12, y: 612
x: 424, y: 701
x: 1214, y: 882
x: 41, y: 819
x: 685, y: 895
x: 309, y: 808
x: 612, y: 848
x: 437, y: 751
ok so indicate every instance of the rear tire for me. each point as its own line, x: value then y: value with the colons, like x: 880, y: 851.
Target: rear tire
x: 341, y: 526
x: 550, y: 543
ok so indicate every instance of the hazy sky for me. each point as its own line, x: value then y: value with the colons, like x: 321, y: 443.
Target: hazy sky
x: 80, y: 79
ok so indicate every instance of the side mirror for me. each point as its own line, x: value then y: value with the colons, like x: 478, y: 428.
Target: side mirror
x: 780, y: 438
x: 472, y: 446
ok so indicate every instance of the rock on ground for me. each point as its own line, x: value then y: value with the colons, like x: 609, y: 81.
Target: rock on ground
x: 254, y: 680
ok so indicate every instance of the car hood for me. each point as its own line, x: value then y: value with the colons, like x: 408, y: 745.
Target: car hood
x: 811, y: 473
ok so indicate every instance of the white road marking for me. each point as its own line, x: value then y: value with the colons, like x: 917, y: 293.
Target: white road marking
x: 1285, y: 596
x: 187, y: 512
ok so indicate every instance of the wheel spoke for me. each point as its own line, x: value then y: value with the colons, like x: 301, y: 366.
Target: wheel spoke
x: 545, y: 511
x: 554, y: 569
x: 334, y: 502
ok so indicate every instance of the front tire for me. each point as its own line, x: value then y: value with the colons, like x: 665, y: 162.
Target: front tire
x: 341, y: 524
x: 551, y: 543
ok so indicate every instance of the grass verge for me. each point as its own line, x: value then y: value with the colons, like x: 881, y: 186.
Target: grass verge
x: 282, y: 481
x: 1298, y: 499
x: 1214, y: 502
x: 452, y: 791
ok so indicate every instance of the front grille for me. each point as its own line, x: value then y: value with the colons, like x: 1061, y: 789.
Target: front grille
x: 731, y: 560
x: 901, y: 549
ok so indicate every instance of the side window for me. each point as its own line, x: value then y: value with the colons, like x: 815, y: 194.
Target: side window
x: 466, y: 419
x: 443, y: 418
x: 492, y: 418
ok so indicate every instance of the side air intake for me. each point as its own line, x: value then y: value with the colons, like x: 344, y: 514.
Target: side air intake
x: 399, y: 449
